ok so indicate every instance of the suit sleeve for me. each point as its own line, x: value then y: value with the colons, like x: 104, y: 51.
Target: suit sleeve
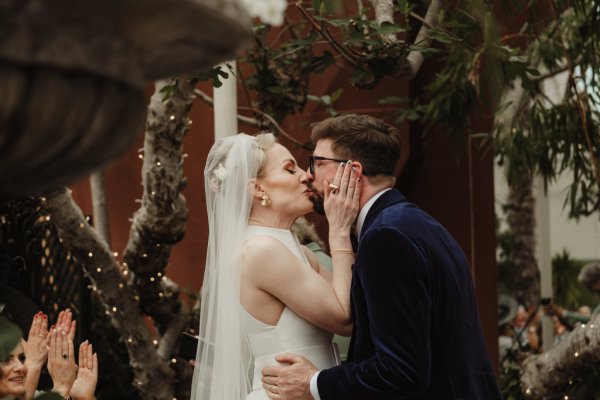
x: 396, y: 283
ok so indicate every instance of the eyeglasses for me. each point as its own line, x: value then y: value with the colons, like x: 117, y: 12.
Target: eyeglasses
x: 312, y: 159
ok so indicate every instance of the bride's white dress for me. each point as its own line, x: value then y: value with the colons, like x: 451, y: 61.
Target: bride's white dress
x: 291, y: 334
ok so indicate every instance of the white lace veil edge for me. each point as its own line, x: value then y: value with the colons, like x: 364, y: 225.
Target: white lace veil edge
x: 223, y: 360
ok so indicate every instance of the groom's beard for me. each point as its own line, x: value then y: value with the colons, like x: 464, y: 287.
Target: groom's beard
x: 317, y: 199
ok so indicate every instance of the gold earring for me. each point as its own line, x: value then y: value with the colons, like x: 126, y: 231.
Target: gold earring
x: 265, y: 200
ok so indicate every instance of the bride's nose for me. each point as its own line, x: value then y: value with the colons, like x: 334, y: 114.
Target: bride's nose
x: 304, y: 177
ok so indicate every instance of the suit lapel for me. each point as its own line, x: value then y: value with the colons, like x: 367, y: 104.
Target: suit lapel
x: 387, y: 199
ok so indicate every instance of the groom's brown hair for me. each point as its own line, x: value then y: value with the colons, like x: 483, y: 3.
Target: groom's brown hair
x: 362, y: 138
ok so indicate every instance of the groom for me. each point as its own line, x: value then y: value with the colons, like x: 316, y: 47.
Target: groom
x: 416, y: 333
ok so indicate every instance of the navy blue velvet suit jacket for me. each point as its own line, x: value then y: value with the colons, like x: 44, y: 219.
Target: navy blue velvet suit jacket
x: 417, y: 333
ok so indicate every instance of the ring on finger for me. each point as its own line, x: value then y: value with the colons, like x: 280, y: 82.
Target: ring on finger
x: 65, y: 356
x: 334, y: 188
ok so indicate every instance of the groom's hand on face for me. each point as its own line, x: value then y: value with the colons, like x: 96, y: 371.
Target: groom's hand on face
x: 289, y: 382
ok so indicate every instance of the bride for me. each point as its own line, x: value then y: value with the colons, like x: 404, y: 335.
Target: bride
x: 263, y: 293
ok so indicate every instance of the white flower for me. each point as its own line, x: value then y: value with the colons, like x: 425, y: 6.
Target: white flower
x: 220, y: 172
x: 269, y: 11
x: 219, y: 175
x: 214, y: 184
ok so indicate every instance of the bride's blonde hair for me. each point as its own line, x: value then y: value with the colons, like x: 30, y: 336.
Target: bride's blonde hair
x: 265, y: 141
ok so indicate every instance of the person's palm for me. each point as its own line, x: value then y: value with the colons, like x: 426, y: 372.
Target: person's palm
x: 85, y: 384
x: 87, y: 376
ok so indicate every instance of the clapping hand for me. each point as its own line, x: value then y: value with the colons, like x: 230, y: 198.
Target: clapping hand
x: 66, y: 323
x: 36, y: 352
x: 87, y: 375
x: 61, y: 361
x: 36, y: 349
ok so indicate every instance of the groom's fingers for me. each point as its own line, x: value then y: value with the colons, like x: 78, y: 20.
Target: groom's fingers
x: 270, y: 372
x: 288, y: 358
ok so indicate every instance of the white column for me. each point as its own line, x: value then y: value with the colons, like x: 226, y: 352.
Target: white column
x: 544, y: 256
x: 554, y: 88
x: 225, y: 103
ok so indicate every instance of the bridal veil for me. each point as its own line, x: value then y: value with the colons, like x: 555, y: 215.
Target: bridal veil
x: 223, y: 358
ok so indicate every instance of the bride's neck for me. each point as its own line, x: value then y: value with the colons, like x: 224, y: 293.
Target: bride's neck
x: 269, y: 219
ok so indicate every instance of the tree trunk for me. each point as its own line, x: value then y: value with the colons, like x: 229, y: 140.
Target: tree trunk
x: 154, y: 379
x: 160, y: 221
x: 553, y: 373
x: 520, y: 217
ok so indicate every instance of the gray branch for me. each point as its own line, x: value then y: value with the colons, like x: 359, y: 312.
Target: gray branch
x: 152, y: 375
x: 384, y: 12
x: 100, y: 205
x: 415, y: 58
x: 161, y: 219
x: 551, y: 374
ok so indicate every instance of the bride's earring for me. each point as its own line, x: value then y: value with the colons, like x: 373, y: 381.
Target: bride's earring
x: 265, y: 200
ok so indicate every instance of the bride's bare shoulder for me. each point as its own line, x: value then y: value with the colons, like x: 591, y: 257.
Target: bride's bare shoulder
x: 262, y: 251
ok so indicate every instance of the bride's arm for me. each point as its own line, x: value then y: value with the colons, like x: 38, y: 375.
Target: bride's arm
x: 270, y: 267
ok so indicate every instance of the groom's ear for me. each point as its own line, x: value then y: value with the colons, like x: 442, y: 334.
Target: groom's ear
x: 255, y: 189
x: 357, y: 167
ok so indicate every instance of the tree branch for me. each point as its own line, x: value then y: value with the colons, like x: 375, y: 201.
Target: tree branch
x: 161, y: 219
x: 384, y: 12
x: 339, y: 48
x: 242, y: 118
x: 255, y: 122
x: 415, y: 58
x: 153, y: 377
x: 569, y: 359
x: 99, y: 205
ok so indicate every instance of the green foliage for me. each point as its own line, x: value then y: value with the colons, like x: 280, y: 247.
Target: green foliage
x: 364, y: 45
x: 406, y: 109
x: 478, y: 63
x: 564, y: 280
x: 509, y: 378
x: 327, y: 101
x: 549, y: 137
x: 281, y: 73
x: 214, y: 74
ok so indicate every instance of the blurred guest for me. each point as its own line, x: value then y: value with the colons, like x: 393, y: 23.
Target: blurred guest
x: 308, y: 236
x: 507, y: 311
x: 590, y: 278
